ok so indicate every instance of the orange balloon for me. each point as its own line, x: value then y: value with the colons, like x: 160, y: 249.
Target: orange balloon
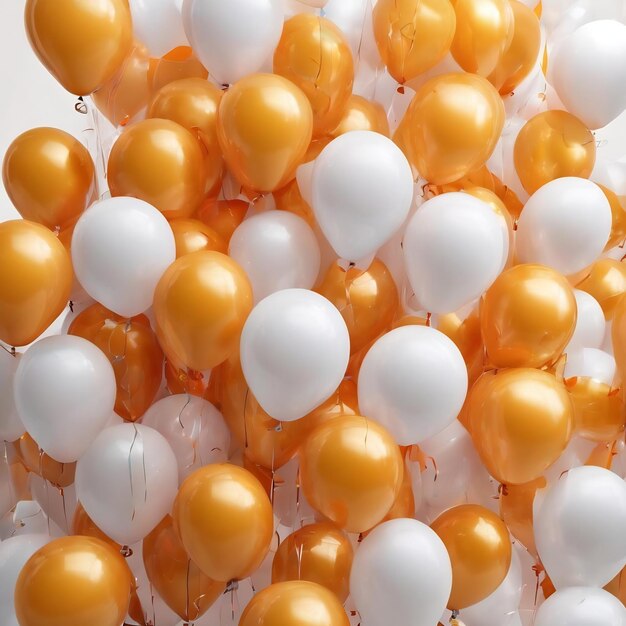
x: 618, y: 215
x: 177, y: 64
x: 351, y: 472
x: 223, y: 216
x: 160, y: 162
x: 264, y: 127
x: 73, y: 581
x: 413, y: 35
x: 134, y: 352
x: 200, y: 305
x: 362, y: 114
x: 606, y: 282
x: 479, y: 546
x: 290, y: 199
x: 193, y: 236
x: 404, y: 506
x: 35, y: 280
x: 82, y: 524
x: 38, y: 462
x: 225, y: 521
x: 49, y: 176
x: 520, y: 420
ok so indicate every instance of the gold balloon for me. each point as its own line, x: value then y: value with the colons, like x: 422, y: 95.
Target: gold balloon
x: 82, y: 43
x: 618, y: 217
x: 520, y: 420
x: 49, y: 176
x: 193, y: 236
x: 37, y: 461
x: 413, y: 35
x: 160, y: 162
x: 200, y: 305
x: 606, y: 282
x: 73, y: 581
x: 527, y: 317
x: 264, y: 127
x: 484, y: 30
x: 451, y: 126
x: 351, y: 472
x: 479, y: 546
x: 319, y: 553
x: 225, y: 521
x: 222, y: 216
x: 35, y: 280
x: 289, y: 198
x: 362, y: 114
x: 177, y: 64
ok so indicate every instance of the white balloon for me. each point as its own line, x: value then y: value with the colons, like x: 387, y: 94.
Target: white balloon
x: 193, y: 427
x: 64, y: 393
x: 590, y: 322
x: 565, y: 224
x: 401, y: 575
x: 362, y: 191
x: 454, y: 248
x: 120, y: 249
x: 127, y: 481
x: 589, y: 72
x: 590, y: 363
x: 294, y: 352
x: 11, y: 427
x: 278, y: 250
x: 581, y: 606
x: 579, y: 527
x: 158, y: 24
x: 413, y: 381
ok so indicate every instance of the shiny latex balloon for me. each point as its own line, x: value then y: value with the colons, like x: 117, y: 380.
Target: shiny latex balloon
x: 176, y: 578
x: 606, y: 282
x: 60, y: 475
x: 160, y: 162
x: 200, y: 305
x: 479, y: 546
x: 289, y: 198
x: 314, y: 55
x: 581, y: 606
x: 319, y: 553
x: 351, y: 472
x: 223, y: 216
x: 49, y: 176
x: 451, y: 126
x: 527, y: 317
x: 35, y: 280
x: 264, y: 127
x: 81, y: 43
x: 413, y: 35
x: 192, y: 235
x: 362, y: 114
x: 82, y: 524
x: 521, y: 420
x: 177, y: 64
x: 134, y: 352
x: 73, y: 581
x: 294, y: 603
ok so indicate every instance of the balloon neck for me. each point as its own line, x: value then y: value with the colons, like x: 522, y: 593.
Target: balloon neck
x: 233, y: 585
x: 126, y: 551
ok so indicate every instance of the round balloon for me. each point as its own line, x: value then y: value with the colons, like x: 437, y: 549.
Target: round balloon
x: 581, y: 606
x: 158, y: 25
x: 590, y: 322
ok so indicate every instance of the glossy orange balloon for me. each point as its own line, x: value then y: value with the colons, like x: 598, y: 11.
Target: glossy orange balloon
x: 82, y: 524
x: 606, y: 282
x: 49, y: 176
x: 527, y: 317
x: 37, y: 461
x: 520, y: 420
x: 134, y: 352
x: 73, y: 581
x: 362, y: 114
x: 479, y: 546
x: 82, y: 43
x: 413, y: 35
x: 264, y: 128
x: 200, y: 305
x: 35, y: 280
x: 225, y: 521
x: 290, y: 199
x: 618, y: 218
x: 351, y: 472
x: 223, y: 216
x: 177, y: 64
x: 160, y: 162
x: 193, y: 235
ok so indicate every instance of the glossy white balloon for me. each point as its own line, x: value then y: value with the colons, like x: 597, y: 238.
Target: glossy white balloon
x: 590, y: 363
x: 581, y: 606
x: 590, y: 323
x: 158, y: 24
x: 11, y: 427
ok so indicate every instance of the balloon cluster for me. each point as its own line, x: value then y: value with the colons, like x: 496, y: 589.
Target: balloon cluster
x: 346, y: 335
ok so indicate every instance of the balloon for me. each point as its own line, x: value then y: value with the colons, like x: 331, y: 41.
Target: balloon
x: 527, y: 317
x: 362, y: 192
x: 49, y: 176
x: 120, y: 249
x: 81, y: 44
x: 579, y: 527
x: 294, y: 352
x: 516, y: 510
x: 401, y: 574
x: 319, y: 553
x: 35, y: 280
x: 590, y: 324
x: 223, y: 216
x: 468, y: 104
x: 591, y: 363
x: 565, y: 225
x: 82, y: 524
x: 72, y: 581
x: 60, y: 475
x: 413, y: 35
x: 277, y: 250
x: 413, y: 381
x: 224, y: 519
x: 193, y: 236
x: 362, y: 114
x: 160, y: 162
x: 592, y: 60
x: 606, y: 282
x: 521, y: 420
x: 11, y: 427
x: 158, y: 24
x: 177, y: 579
x: 351, y: 472
x: 127, y: 480
x: 581, y: 606
x: 200, y: 305
x: 283, y: 604
x: 264, y: 127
